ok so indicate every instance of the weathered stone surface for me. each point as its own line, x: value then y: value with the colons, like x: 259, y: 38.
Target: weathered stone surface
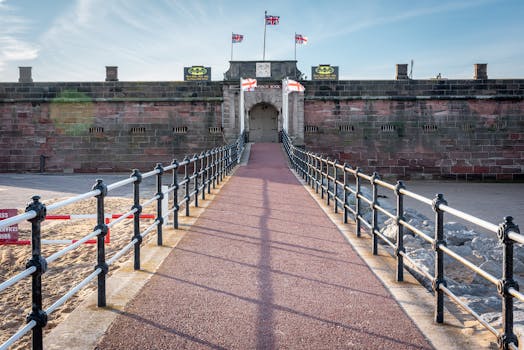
x: 452, y: 129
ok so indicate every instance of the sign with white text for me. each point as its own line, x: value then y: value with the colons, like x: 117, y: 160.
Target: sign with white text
x: 9, y: 233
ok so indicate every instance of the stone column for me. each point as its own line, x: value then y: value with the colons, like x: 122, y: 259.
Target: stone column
x: 111, y: 73
x: 25, y: 75
x: 481, y: 71
x: 402, y: 72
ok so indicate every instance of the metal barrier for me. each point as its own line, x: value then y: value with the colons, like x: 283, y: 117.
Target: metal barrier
x: 208, y: 169
x: 328, y: 176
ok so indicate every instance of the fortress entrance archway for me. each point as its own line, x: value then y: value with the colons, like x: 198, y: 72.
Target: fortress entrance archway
x: 263, y: 123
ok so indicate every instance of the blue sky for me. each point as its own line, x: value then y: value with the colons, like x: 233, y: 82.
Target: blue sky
x: 73, y: 40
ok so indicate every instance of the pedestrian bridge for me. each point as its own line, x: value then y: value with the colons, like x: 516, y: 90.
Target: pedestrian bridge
x: 279, y: 253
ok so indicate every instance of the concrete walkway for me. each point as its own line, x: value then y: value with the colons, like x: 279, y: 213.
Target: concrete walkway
x: 263, y: 268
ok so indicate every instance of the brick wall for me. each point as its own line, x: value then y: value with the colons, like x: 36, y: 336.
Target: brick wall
x: 90, y: 127
x: 467, y: 129
x: 420, y: 129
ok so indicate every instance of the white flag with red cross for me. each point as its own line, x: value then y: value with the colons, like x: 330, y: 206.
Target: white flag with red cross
x: 292, y: 85
x: 248, y: 84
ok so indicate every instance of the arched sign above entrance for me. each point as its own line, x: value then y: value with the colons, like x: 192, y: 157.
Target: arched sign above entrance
x: 273, y: 86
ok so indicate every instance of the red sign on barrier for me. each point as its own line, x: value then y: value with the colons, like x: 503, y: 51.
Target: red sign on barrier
x: 9, y: 233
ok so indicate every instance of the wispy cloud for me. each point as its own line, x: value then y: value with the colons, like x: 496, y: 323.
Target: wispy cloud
x: 375, y: 21
x: 12, y: 47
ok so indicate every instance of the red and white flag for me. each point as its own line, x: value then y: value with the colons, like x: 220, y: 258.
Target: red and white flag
x: 300, y: 39
x: 292, y: 86
x: 237, y: 38
x: 248, y: 84
x: 272, y: 20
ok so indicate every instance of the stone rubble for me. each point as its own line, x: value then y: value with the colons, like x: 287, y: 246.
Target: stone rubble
x: 482, y: 249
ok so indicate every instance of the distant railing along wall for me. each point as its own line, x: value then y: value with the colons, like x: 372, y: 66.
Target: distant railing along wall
x: 208, y: 169
x: 330, y: 177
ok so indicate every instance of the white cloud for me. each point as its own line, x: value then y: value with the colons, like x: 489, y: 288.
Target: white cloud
x: 374, y: 21
x: 13, y: 48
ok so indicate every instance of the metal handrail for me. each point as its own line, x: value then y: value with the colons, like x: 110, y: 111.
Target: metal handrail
x: 209, y: 169
x: 322, y: 173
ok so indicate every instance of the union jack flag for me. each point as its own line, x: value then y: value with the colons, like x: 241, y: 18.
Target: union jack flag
x: 272, y: 20
x: 300, y: 39
x: 237, y: 38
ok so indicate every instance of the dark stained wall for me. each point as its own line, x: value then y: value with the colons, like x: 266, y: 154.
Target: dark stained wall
x: 471, y: 129
x: 456, y: 129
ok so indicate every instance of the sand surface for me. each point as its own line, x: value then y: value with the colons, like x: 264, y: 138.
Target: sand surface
x: 64, y: 273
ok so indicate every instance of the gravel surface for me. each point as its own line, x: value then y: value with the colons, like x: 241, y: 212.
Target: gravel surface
x: 256, y: 272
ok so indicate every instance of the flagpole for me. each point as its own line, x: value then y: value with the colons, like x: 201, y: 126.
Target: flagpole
x: 265, y: 25
x: 241, y: 108
x: 295, y: 39
x: 232, y: 46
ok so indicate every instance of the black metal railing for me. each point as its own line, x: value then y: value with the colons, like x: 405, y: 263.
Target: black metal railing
x: 201, y: 171
x: 327, y: 176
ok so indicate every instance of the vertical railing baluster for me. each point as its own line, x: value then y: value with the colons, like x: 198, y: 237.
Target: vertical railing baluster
x: 203, y: 173
x: 374, y: 220
x: 220, y: 164
x: 136, y: 217
x: 195, y: 176
x: 345, y: 201
x: 400, y: 232
x: 335, y: 185
x: 439, y: 258
x: 327, y: 182
x: 317, y: 173
x: 214, y: 168
x: 100, y: 242
x: 322, y: 178
x: 507, y: 336
x: 186, y: 179
x: 303, y: 160
x: 160, y: 194
x: 37, y: 314
x: 357, y: 202
x: 175, y: 185
x: 208, y: 171
x: 310, y: 169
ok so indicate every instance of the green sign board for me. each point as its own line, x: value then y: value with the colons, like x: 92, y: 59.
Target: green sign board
x: 197, y: 73
x: 324, y: 72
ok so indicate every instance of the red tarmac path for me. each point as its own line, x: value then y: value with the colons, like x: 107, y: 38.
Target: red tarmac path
x: 263, y: 268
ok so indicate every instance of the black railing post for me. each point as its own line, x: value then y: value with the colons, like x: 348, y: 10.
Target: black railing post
x: 229, y: 160
x: 327, y: 183
x: 507, y: 336
x: 100, y: 242
x: 219, y: 165
x: 196, y: 172
x: 310, y: 169
x: 175, y: 194
x: 186, y: 179
x: 214, y: 158
x: 400, y: 232
x: 303, y: 161
x: 439, y: 258
x: 224, y: 158
x: 321, y: 178
x: 209, y: 171
x: 37, y: 314
x: 357, y: 202
x: 345, y: 193
x: 136, y: 217
x: 374, y: 220
x: 160, y: 194
x: 335, y: 185
x: 317, y: 173
x: 203, y: 173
